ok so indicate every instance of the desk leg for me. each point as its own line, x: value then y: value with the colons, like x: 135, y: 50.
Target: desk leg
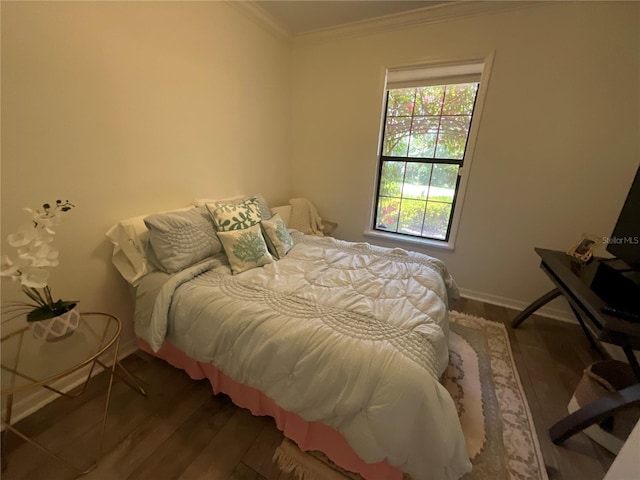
x: 587, y: 333
x: 594, y: 412
x: 543, y: 300
x: 633, y: 361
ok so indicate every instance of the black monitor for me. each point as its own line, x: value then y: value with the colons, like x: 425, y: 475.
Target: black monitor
x: 624, y: 242
x: 617, y: 280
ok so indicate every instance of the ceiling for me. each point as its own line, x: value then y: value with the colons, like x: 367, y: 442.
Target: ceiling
x: 301, y: 16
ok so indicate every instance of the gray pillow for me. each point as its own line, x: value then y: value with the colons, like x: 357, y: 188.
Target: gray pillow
x: 181, y: 239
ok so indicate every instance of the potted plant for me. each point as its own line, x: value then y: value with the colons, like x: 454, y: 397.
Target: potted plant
x: 48, y: 318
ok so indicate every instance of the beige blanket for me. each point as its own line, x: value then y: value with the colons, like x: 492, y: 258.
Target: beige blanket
x: 304, y: 217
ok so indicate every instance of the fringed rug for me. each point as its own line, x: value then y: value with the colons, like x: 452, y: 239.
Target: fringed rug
x: 494, y: 414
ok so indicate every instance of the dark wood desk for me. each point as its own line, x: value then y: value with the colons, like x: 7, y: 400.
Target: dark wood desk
x: 573, y: 280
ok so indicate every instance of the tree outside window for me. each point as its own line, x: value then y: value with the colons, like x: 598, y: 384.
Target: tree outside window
x: 424, y: 141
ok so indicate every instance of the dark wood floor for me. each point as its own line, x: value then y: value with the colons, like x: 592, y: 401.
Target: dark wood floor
x: 182, y: 431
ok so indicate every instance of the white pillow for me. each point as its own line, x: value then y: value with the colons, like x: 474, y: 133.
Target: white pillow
x: 130, y: 238
x: 245, y: 249
x: 284, y: 211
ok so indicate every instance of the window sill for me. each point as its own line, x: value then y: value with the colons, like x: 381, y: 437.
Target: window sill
x: 406, y: 240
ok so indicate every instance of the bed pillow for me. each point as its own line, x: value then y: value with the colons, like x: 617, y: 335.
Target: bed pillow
x: 245, y: 249
x: 129, y: 238
x: 201, y: 202
x: 235, y: 216
x: 284, y: 211
x: 130, y: 253
x: 181, y: 239
x: 276, y: 236
x: 265, y: 211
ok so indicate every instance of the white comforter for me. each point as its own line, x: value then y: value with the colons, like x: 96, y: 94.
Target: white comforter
x: 350, y: 335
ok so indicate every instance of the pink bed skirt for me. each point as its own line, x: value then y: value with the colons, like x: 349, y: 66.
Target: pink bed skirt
x: 307, y: 435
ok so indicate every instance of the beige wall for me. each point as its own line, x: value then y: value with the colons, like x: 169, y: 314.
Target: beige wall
x: 130, y: 108
x: 557, y: 148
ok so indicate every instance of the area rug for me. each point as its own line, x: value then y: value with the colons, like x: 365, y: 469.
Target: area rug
x: 495, y: 417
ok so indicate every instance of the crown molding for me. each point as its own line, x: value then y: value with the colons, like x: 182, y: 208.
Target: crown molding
x: 252, y: 10
x: 423, y: 16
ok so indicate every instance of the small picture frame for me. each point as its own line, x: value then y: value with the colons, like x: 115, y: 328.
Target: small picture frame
x: 583, y: 249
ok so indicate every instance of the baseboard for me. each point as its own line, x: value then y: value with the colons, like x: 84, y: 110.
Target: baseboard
x: 41, y: 397
x: 555, y: 313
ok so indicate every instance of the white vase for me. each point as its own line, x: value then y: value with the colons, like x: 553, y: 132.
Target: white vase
x: 56, y: 328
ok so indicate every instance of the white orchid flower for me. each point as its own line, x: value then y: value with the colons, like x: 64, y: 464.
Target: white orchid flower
x: 50, y: 232
x: 24, y: 253
x: 33, y: 243
x: 52, y: 258
x: 35, y: 277
x: 44, y: 235
x: 28, y: 253
x: 8, y: 268
x: 46, y: 218
x: 24, y: 236
x: 40, y: 251
x: 42, y: 255
x: 45, y: 256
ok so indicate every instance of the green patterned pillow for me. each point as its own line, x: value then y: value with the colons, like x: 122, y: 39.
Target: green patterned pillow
x: 236, y: 216
x: 277, y: 236
x: 212, y: 204
x: 245, y: 249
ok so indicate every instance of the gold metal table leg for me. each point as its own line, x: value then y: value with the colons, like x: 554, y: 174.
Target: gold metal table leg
x: 131, y: 381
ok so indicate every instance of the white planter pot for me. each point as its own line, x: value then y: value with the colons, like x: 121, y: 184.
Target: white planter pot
x: 56, y: 328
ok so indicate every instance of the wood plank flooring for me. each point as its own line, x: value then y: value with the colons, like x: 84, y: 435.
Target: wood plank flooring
x: 182, y: 431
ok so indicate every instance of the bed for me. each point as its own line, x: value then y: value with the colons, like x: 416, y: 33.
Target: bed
x: 342, y: 343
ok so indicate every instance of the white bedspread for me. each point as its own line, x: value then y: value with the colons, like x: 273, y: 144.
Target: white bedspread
x: 351, y: 335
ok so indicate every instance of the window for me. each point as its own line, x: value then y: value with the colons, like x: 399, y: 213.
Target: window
x: 428, y: 118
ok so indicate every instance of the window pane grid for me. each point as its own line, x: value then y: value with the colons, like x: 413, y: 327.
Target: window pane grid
x: 444, y: 161
x: 416, y: 202
x: 425, y: 136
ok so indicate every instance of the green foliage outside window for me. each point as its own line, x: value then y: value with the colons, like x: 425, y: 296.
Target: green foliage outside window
x: 414, y: 217
x: 427, y: 124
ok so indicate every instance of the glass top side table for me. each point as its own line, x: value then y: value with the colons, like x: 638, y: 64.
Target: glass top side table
x: 29, y: 363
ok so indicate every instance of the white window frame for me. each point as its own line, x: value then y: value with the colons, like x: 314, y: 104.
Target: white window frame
x: 428, y: 72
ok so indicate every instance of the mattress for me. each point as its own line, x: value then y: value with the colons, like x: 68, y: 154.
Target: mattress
x: 346, y: 334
